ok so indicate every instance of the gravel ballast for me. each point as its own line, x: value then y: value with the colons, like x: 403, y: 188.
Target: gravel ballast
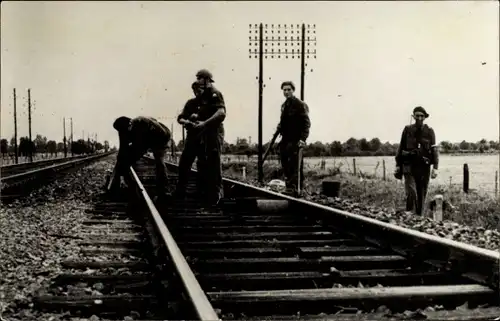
x: 33, y: 236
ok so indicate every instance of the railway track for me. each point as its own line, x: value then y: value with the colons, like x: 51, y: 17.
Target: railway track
x: 8, y: 170
x: 18, y: 180
x: 262, y: 255
x: 128, y: 266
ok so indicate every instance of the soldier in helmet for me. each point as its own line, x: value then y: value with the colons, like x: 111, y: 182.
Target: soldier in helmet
x: 136, y: 137
x: 294, y: 129
x: 416, y: 153
x: 192, y: 145
x: 209, y: 122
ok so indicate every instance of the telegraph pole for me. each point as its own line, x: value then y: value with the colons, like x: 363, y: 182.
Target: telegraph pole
x: 29, y: 126
x: 302, y: 61
x: 281, y: 39
x: 71, y: 136
x: 64, y: 138
x: 15, y: 126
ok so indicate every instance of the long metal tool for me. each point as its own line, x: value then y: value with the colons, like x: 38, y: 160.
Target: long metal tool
x: 298, y: 169
x: 276, y: 134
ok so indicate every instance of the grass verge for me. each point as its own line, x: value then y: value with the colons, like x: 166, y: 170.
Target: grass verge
x: 473, y: 209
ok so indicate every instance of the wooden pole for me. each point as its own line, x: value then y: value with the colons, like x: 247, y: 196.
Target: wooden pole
x: 261, y: 90
x: 15, y: 128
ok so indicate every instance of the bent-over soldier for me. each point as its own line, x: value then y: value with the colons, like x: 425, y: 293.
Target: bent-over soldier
x: 192, y: 145
x: 416, y: 153
x: 294, y: 128
x: 137, y: 136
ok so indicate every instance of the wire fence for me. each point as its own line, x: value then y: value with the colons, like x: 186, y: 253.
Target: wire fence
x: 481, y: 176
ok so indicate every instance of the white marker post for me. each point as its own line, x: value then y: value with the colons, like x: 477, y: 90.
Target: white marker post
x: 438, y: 210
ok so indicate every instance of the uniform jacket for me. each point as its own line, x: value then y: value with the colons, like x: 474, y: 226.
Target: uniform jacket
x: 144, y: 133
x: 294, y: 121
x: 191, y: 107
x: 420, y: 140
x: 210, y: 101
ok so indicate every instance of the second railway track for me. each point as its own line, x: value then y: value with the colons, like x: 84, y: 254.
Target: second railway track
x: 18, y: 180
x: 13, y: 169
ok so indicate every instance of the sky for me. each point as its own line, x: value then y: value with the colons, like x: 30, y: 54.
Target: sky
x: 376, y: 61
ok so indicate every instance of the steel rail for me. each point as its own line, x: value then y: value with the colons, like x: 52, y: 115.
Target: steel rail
x: 37, y: 163
x: 46, y: 169
x: 479, y: 264
x: 202, y: 306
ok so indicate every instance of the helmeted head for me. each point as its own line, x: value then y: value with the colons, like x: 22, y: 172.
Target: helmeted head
x: 197, y: 90
x: 122, y: 123
x: 419, y: 114
x: 204, y: 78
x: 288, y: 88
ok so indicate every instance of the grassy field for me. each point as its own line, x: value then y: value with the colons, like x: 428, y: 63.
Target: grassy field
x: 474, y: 209
x: 482, y: 168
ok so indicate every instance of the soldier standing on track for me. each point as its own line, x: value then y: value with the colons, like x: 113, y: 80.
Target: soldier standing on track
x: 416, y: 152
x: 136, y: 137
x: 210, y: 125
x: 294, y: 129
x: 192, y: 145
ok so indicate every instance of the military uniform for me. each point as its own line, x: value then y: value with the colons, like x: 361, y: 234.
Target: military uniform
x: 192, y: 149
x: 143, y: 133
x: 212, y: 139
x: 414, y: 157
x: 294, y: 126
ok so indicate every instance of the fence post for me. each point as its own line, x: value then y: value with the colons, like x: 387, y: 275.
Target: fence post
x: 496, y: 183
x: 466, y: 178
x: 354, y: 165
x: 383, y: 168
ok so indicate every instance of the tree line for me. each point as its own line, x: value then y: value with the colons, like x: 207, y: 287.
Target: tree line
x: 361, y: 147
x: 352, y: 147
x: 41, y: 145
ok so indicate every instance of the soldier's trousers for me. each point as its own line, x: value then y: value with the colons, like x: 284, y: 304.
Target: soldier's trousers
x: 161, y: 170
x: 416, y: 179
x: 212, y: 169
x: 192, y: 149
x: 289, y: 156
x: 132, y: 156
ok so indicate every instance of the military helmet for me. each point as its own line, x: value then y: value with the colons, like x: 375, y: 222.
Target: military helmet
x: 204, y: 73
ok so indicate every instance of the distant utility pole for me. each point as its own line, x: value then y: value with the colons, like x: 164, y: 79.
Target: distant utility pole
x: 71, y: 137
x: 64, y: 138
x: 29, y: 125
x: 15, y: 126
x: 281, y: 38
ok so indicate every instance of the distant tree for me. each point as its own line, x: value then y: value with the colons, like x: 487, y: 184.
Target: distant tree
x: 464, y: 145
x: 375, y: 144
x: 52, y: 147
x: 40, y: 143
x: 4, y: 146
x: 26, y: 147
